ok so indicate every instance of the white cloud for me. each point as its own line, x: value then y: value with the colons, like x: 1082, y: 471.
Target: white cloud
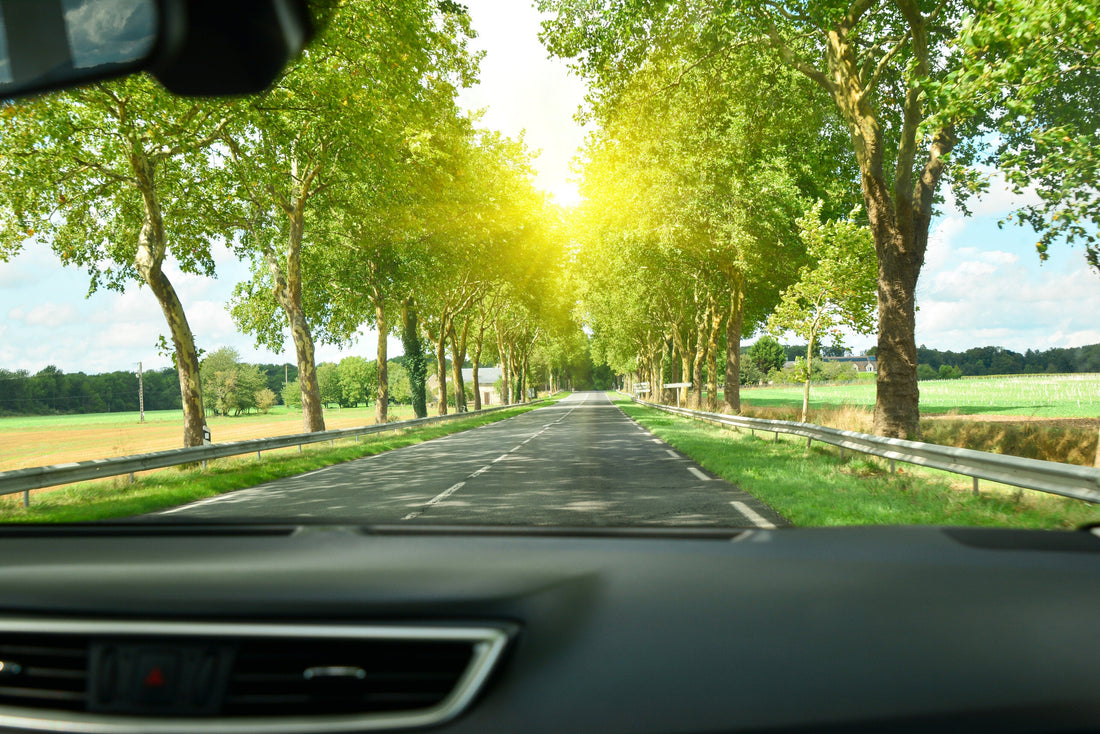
x: 52, y: 315
x: 17, y: 314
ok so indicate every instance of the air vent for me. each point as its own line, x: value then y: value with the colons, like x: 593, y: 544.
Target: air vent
x: 283, y: 677
x: 166, y: 678
x: 44, y: 671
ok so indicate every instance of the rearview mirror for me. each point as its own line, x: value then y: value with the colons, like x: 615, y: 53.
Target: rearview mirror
x: 193, y: 47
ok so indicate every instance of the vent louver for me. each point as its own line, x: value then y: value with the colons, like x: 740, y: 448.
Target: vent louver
x: 120, y: 676
x: 48, y: 671
x: 269, y: 677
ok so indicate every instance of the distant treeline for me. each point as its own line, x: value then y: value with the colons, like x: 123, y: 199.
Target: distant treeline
x: 1000, y: 361
x: 989, y: 360
x: 53, y: 391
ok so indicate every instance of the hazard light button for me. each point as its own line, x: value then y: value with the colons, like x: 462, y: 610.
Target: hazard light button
x: 157, y: 677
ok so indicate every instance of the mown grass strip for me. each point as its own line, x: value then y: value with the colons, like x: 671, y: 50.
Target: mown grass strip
x: 159, y: 490
x: 814, y: 487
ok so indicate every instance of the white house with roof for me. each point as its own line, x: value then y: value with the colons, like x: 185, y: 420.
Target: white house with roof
x: 487, y: 378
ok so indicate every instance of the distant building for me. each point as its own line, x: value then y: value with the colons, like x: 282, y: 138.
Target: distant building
x: 487, y: 378
x: 865, y: 363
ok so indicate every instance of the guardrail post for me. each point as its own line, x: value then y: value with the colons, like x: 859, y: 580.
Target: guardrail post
x: 299, y: 448
x: 808, y: 442
x: 26, y: 498
x: 258, y: 457
x: 131, y: 477
x: 204, y: 464
x: 892, y: 466
x: 842, y: 453
x: 777, y: 437
x: 976, y: 492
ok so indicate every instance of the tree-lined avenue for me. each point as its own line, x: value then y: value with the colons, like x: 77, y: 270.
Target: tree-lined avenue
x: 578, y: 462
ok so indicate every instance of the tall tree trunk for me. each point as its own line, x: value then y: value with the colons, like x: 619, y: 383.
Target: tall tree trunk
x: 187, y: 358
x: 735, y: 324
x: 441, y: 366
x: 415, y: 364
x: 458, y: 358
x: 712, y: 361
x: 511, y: 383
x: 523, y: 384
x: 381, y: 406
x: 897, y: 402
x: 809, y: 376
x: 476, y: 361
x: 505, y: 372
x: 700, y: 356
x: 149, y: 258
x: 288, y: 292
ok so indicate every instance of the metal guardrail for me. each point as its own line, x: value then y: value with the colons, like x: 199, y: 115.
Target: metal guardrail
x: 37, y: 477
x: 1068, y: 480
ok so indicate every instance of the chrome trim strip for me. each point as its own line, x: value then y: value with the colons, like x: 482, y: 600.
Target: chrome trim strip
x: 488, y: 644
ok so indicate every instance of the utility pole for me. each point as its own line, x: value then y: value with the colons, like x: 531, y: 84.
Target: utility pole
x: 141, y: 393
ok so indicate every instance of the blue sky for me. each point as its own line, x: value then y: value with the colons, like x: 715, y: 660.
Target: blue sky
x: 980, y: 285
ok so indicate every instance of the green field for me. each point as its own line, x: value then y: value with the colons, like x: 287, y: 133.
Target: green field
x: 276, y: 414
x: 1046, y: 396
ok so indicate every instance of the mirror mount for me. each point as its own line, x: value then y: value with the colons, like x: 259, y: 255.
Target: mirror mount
x: 193, y: 47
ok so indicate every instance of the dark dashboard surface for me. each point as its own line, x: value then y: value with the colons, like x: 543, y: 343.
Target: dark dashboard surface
x: 876, y: 628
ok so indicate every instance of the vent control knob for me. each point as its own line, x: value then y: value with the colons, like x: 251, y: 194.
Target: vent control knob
x: 335, y: 671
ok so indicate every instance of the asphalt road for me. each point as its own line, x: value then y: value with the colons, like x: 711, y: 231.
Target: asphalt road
x: 578, y: 462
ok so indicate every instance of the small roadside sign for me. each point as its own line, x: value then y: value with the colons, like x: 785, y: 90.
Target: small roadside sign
x: 205, y: 435
x: 669, y: 385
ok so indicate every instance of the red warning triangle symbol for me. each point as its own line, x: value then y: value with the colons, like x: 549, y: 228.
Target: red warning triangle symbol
x: 155, y: 678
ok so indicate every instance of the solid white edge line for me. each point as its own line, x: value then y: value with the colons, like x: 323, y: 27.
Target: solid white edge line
x: 698, y: 474
x: 754, y: 517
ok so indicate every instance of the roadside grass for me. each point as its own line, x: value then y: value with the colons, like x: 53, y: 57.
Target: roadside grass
x: 117, y: 498
x: 1069, y: 440
x: 814, y: 487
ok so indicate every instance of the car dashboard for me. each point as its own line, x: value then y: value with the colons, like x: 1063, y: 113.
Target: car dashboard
x: 320, y: 628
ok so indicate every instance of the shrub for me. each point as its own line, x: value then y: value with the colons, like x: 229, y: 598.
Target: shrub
x: 265, y: 399
x: 292, y: 395
x: 927, y: 372
x: 947, y: 372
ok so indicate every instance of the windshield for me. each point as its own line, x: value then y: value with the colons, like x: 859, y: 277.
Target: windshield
x: 569, y: 264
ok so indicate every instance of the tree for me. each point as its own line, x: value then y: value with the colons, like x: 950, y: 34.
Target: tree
x: 229, y: 386
x: 399, y: 384
x: 836, y: 290
x: 767, y: 354
x: 358, y: 380
x: 332, y: 137
x: 415, y: 362
x: 328, y: 378
x: 116, y: 177
x: 917, y: 101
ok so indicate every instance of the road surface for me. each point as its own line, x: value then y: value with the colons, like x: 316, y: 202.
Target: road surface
x: 580, y: 461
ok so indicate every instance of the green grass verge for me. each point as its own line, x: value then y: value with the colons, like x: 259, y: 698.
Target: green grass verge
x: 814, y: 487
x: 159, y: 490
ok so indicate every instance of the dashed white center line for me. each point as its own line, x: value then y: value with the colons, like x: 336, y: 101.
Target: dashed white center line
x: 754, y: 517
x: 657, y: 440
x: 672, y: 453
x: 698, y: 474
x: 438, y: 498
